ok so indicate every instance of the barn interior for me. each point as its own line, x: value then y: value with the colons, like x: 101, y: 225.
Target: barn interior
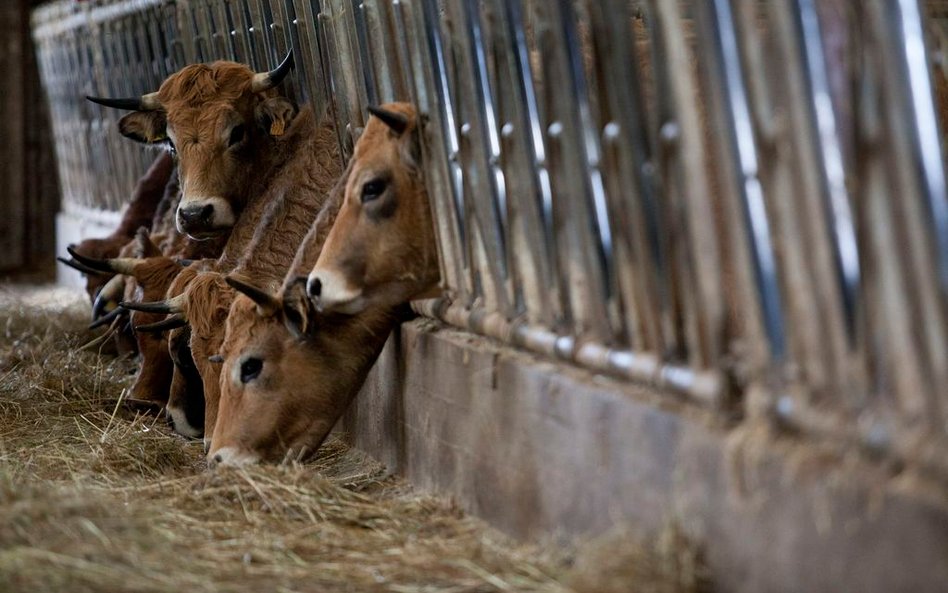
x: 690, y: 332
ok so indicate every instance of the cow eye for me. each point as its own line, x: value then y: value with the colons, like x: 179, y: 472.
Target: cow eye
x: 236, y: 134
x: 171, y: 148
x: 373, y: 189
x: 250, y: 369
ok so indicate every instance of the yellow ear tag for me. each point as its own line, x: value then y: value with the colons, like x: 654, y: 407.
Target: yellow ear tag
x: 277, y: 128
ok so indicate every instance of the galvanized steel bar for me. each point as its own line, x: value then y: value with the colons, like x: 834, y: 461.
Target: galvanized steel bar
x: 717, y: 14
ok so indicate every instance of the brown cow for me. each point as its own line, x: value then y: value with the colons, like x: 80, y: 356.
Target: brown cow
x: 294, y: 198
x: 265, y: 244
x: 289, y: 371
x: 280, y: 396
x: 222, y: 120
x: 382, y: 248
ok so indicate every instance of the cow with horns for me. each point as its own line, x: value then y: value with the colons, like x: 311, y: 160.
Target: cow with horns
x: 225, y: 126
x: 290, y: 369
x: 222, y: 121
x: 292, y: 201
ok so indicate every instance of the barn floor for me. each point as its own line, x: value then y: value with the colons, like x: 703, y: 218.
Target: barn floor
x: 96, y: 498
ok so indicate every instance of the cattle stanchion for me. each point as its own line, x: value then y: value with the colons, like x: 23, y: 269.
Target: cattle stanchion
x: 685, y: 194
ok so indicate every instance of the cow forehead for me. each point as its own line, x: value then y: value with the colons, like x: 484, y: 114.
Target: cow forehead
x: 198, y: 84
x: 245, y: 326
x: 193, y: 124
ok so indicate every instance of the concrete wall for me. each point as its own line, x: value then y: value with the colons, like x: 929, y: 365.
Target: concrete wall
x: 536, y: 448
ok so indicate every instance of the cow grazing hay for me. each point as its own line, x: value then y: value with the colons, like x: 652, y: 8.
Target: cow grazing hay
x: 94, y: 497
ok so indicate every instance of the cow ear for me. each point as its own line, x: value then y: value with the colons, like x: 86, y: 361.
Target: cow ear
x: 299, y: 315
x: 148, y: 127
x: 274, y: 115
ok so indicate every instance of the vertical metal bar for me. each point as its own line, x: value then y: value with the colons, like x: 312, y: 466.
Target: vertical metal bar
x: 409, y: 73
x: 364, y: 53
x: 256, y: 34
x: 354, y: 99
x: 926, y: 131
x: 741, y: 138
x: 336, y: 80
x: 838, y: 212
x: 528, y: 250
x: 914, y: 177
x: 483, y: 143
x: 447, y: 116
x: 315, y: 80
x: 228, y: 23
x: 629, y: 170
x: 537, y: 159
x: 578, y: 199
x: 292, y: 37
x: 378, y: 54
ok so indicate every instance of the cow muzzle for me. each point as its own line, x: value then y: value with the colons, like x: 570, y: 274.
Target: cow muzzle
x: 231, y: 457
x: 204, y: 218
x: 331, y: 291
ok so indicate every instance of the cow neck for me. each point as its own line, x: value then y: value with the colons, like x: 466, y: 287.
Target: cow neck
x: 315, y: 238
x: 284, y: 151
x: 294, y: 199
x: 348, y: 346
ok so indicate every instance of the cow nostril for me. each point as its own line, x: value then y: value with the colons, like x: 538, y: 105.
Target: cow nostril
x: 218, y: 458
x: 314, y: 287
x: 207, y: 212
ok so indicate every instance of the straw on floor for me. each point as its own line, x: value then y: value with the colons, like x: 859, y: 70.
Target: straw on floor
x: 94, y: 497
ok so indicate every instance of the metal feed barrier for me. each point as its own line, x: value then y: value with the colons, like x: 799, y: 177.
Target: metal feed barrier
x: 741, y: 203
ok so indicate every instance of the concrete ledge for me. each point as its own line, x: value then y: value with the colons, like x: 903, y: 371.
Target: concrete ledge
x: 537, y: 449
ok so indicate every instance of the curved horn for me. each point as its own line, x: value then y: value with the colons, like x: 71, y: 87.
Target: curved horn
x: 397, y: 121
x: 173, y: 305
x: 173, y: 322
x: 124, y: 265
x: 147, y: 102
x: 263, y: 81
x: 77, y: 266
x: 264, y: 300
x: 106, y: 319
x: 119, y: 265
x: 110, y: 293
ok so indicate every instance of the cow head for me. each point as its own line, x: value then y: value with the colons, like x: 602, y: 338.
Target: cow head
x: 220, y: 120
x: 206, y: 306
x: 185, y: 408
x: 381, y: 249
x: 281, y: 395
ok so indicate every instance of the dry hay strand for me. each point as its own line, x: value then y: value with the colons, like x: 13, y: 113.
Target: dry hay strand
x: 95, y: 498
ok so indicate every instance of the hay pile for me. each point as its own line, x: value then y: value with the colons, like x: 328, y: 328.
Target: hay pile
x: 97, y: 498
